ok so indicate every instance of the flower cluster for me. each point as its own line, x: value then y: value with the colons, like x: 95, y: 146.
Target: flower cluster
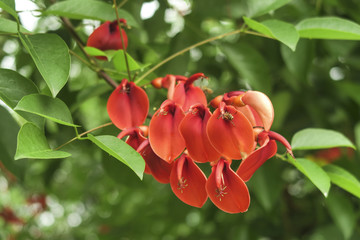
x: 184, y: 131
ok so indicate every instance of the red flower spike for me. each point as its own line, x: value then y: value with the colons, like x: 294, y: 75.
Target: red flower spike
x: 128, y: 105
x: 230, y: 132
x: 164, y: 134
x: 135, y: 138
x: 186, y: 94
x: 155, y: 166
x: 282, y: 140
x: 226, y: 189
x: 193, y: 129
x: 187, y: 181
x: 257, y: 158
x: 262, y: 105
x: 107, y: 36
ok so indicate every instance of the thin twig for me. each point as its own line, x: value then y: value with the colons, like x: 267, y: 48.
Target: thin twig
x: 84, y: 133
x: 122, y: 40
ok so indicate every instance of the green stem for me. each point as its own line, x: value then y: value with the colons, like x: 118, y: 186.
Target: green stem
x: 122, y: 40
x: 78, y: 136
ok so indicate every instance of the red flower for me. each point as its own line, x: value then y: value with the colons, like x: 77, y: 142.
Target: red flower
x: 226, y: 189
x: 164, y: 134
x: 128, y: 105
x: 135, y: 136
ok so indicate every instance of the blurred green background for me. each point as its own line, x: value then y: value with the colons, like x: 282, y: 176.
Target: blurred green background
x: 91, y: 195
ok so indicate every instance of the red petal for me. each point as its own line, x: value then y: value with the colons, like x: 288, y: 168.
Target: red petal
x: 282, y: 140
x: 257, y: 158
x: 187, y: 95
x: 128, y: 105
x: 135, y: 137
x: 262, y: 105
x: 188, y: 182
x: 226, y: 189
x: 156, y: 166
x: 193, y: 129
x: 164, y: 134
x: 230, y: 132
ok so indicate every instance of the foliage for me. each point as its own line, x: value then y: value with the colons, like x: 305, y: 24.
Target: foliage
x: 304, y: 55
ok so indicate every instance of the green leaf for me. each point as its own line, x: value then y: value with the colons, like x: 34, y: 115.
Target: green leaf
x: 282, y: 103
x: 250, y: 64
x: 282, y: 31
x: 14, y: 86
x: 8, y: 26
x: 257, y: 8
x: 329, y: 28
x: 343, y: 179
x: 119, y: 62
x: 9, y: 6
x: 94, y: 51
x: 342, y: 212
x: 316, y: 138
x: 89, y: 9
x: 48, y: 107
x: 32, y: 143
x: 357, y: 135
x: 51, y: 56
x: 121, y: 151
x: 314, y: 172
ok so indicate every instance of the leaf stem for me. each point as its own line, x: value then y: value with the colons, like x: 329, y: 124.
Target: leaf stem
x: 78, y: 136
x: 122, y: 40
x: 187, y: 49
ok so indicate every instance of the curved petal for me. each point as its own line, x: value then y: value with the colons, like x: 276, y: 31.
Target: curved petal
x: 193, y: 130
x: 157, y: 167
x: 164, y: 134
x: 230, y: 132
x: 187, y: 95
x: 257, y: 158
x: 128, y: 105
x: 188, y: 182
x: 226, y: 189
x: 282, y: 140
x: 262, y: 105
x: 135, y: 137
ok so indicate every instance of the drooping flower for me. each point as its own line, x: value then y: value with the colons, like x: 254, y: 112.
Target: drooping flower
x: 135, y: 136
x: 226, y: 189
x: 230, y: 132
x: 193, y: 130
x: 164, y: 134
x: 128, y: 105
x: 187, y: 181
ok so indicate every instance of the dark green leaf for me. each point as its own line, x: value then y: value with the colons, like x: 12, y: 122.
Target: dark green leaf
x: 282, y: 31
x: 89, y: 9
x: 121, y: 151
x: 314, y: 172
x: 257, y: 8
x: 14, y: 86
x: 342, y: 212
x: 316, y: 138
x: 343, y: 179
x: 8, y: 26
x: 9, y: 6
x: 329, y: 28
x: 51, y: 56
x: 282, y: 102
x: 45, y: 106
x: 250, y: 64
x: 357, y: 135
x: 32, y: 143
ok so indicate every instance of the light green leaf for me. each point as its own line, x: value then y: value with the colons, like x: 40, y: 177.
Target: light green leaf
x: 51, y: 56
x: 314, y: 172
x: 119, y: 62
x: 47, y: 107
x: 257, y: 8
x: 94, y: 51
x: 8, y: 26
x: 14, y: 86
x: 343, y: 179
x: 342, y: 212
x: 32, y: 143
x: 316, y: 138
x: 282, y: 31
x: 121, y: 151
x: 89, y: 9
x: 9, y: 6
x: 250, y: 64
x: 329, y: 28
